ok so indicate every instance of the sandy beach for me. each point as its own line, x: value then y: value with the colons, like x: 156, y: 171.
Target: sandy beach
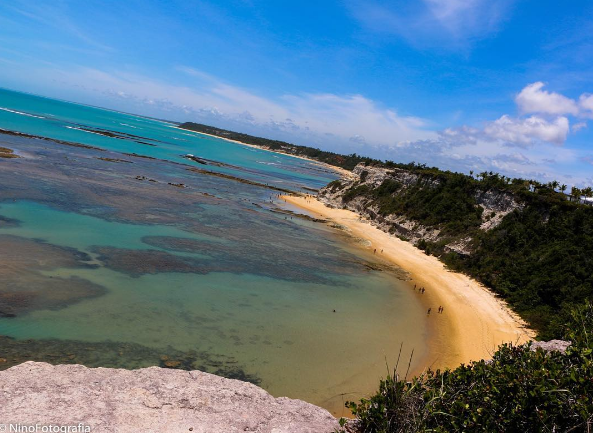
x: 474, y: 322
x: 341, y: 171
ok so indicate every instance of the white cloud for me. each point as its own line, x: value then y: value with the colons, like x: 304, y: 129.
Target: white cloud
x: 528, y: 131
x: 450, y: 13
x: 527, y: 146
x: 513, y: 131
x: 586, y: 104
x: 430, y: 22
x: 54, y: 14
x: 532, y: 99
x: 318, y: 119
x: 481, y: 153
x: 549, y: 124
x: 578, y: 126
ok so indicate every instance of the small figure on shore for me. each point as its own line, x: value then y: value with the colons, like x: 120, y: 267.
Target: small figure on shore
x: 334, y: 311
x: 414, y: 286
x: 423, y: 290
x: 375, y: 251
x: 381, y: 251
x: 441, y: 310
x: 428, y: 312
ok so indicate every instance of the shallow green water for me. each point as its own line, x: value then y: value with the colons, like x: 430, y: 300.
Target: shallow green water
x: 80, y: 231
x: 228, y: 276
x: 65, y: 121
x: 283, y: 331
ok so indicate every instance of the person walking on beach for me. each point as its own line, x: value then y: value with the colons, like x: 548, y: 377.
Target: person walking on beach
x: 428, y: 312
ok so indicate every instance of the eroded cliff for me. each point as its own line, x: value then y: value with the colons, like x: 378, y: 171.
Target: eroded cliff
x: 387, y: 196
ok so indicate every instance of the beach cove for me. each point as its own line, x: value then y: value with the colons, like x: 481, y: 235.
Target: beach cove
x: 474, y: 321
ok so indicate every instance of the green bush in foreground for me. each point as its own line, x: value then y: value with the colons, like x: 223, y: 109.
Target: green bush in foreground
x: 519, y: 390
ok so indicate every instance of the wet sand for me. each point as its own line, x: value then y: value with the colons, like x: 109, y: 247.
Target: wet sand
x: 474, y: 322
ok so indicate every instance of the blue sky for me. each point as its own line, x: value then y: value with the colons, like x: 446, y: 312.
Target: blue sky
x: 460, y: 84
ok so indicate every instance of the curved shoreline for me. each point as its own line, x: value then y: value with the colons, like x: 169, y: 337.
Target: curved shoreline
x: 339, y: 170
x: 474, y: 321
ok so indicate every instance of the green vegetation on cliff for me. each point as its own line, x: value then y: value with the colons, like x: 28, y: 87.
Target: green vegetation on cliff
x: 539, y: 257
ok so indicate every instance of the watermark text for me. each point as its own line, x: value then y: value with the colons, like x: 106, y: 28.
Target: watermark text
x: 44, y: 428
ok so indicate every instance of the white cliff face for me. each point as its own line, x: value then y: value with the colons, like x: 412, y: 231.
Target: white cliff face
x: 149, y: 400
x: 496, y: 205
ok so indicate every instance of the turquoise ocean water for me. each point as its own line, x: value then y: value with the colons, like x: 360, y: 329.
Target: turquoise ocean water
x: 231, y: 278
x: 159, y: 139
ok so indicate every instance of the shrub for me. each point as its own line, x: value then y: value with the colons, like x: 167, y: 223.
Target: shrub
x: 519, y: 390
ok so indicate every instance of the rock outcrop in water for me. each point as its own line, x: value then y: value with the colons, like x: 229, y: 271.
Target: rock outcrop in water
x: 149, y: 400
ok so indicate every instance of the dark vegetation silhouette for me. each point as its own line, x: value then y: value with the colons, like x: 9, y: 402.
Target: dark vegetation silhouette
x: 344, y: 161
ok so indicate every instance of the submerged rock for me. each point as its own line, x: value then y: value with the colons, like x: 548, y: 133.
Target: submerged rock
x: 149, y: 400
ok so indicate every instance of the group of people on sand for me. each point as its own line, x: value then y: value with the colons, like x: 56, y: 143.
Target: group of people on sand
x: 276, y: 196
x: 441, y: 308
x: 421, y: 290
x: 308, y: 198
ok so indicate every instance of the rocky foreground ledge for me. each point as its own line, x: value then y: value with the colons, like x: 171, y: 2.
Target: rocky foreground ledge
x: 148, y: 400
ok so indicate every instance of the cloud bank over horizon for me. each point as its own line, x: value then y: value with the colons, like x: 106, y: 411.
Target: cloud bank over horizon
x: 458, y: 84
x: 526, y: 144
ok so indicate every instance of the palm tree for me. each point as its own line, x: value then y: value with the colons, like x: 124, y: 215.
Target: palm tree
x: 588, y: 192
x: 563, y: 188
x: 575, y: 193
x: 534, y: 185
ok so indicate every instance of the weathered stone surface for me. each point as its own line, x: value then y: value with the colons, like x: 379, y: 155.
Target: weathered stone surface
x: 552, y: 345
x: 149, y: 400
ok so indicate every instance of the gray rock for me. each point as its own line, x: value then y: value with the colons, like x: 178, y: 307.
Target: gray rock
x: 149, y: 400
x: 550, y: 346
